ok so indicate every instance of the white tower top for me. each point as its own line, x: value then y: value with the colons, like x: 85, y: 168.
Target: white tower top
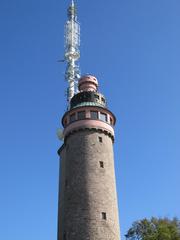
x: 72, y: 52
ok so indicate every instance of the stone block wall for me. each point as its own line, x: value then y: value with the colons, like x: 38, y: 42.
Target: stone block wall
x: 88, y: 202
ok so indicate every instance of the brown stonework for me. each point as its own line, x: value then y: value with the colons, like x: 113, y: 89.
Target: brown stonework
x: 87, y: 203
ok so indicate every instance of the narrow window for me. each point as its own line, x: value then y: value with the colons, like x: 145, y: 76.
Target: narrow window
x: 66, y: 183
x: 72, y: 117
x: 81, y: 115
x: 104, y: 217
x: 94, y: 115
x: 100, y: 139
x: 111, y: 121
x: 101, y: 164
x: 64, y: 236
x: 103, y: 117
x: 65, y: 122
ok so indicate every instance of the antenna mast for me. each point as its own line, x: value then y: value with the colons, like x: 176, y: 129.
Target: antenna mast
x: 72, y: 52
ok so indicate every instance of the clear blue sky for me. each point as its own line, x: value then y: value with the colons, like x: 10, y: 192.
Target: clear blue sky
x: 133, y: 47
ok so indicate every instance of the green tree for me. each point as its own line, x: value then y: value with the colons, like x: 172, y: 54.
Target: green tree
x: 154, y: 229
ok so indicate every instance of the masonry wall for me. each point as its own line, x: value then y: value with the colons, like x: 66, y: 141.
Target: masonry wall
x: 88, y: 202
x: 61, y: 199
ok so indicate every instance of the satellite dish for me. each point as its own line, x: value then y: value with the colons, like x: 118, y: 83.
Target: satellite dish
x: 60, y: 134
x: 78, y: 76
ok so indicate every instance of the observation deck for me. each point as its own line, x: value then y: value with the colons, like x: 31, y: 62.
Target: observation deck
x: 88, y: 110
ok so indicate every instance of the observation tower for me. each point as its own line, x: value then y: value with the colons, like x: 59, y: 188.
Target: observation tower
x: 88, y: 207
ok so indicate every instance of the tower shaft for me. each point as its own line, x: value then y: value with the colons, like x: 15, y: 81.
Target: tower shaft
x: 88, y: 206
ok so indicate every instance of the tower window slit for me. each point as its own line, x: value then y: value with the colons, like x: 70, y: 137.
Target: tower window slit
x: 100, y: 139
x: 65, y: 122
x: 104, y: 217
x: 111, y: 121
x: 66, y: 183
x: 64, y: 236
x: 101, y: 163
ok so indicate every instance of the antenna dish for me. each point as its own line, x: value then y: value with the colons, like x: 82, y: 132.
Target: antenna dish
x: 60, y: 134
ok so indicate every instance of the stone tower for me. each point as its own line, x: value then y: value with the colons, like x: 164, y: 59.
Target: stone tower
x: 87, y: 189
x: 88, y: 201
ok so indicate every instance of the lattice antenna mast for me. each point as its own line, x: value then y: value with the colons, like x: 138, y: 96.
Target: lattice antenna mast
x: 72, y: 51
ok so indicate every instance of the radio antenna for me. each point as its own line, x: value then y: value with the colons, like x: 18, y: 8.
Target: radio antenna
x: 72, y: 51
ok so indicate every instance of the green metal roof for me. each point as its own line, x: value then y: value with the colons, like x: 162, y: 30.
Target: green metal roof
x: 85, y: 104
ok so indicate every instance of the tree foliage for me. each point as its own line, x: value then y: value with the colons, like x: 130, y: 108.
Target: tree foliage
x: 154, y: 229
